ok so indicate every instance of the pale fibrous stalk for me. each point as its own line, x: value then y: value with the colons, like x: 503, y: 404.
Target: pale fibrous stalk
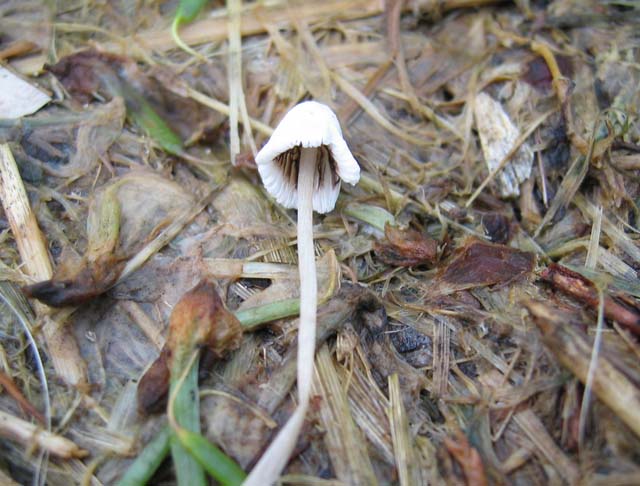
x: 275, y: 458
x: 307, y: 268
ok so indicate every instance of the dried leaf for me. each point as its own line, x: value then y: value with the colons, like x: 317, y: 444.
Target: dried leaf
x: 406, y: 248
x: 479, y: 264
x: 154, y: 385
x: 95, y: 136
x: 199, y: 319
x: 123, y: 216
x: 468, y: 458
x: 166, y: 116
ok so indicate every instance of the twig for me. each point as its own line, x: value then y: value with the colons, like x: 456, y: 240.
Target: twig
x: 27, y: 433
x: 579, y: 287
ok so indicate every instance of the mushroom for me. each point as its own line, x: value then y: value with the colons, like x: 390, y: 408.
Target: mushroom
x: 302, y: 166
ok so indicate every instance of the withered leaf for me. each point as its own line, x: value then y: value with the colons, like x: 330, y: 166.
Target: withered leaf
x: 154, y: 385
x: 199, y: 319
x: 123, y: 215
x: 86, y: 72
x: 479, y: 264
x: 95, y: 136
x: 468, y: 458
x: 89, y: 283
x: 406, y: 248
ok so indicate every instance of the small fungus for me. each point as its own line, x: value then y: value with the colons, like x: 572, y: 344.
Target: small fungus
x: 302, y: 166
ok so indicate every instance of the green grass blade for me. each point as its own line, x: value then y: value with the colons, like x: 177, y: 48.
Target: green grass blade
x: 220, y: 466
x: 146, y: 118
x: 189, y: 472
x: 148, y: 461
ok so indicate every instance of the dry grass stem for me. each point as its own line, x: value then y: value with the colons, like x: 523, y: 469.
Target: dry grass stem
x: 573, y: 350
x: 29, y: 435
x: 408, y: 471
x: 61, y: 344
x: 345, y: 444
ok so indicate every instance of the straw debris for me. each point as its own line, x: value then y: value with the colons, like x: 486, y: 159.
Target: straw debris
x: 478, y: 289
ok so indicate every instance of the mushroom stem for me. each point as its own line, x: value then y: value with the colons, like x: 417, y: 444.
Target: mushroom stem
x: 276, y: 457
x: 307, y: 269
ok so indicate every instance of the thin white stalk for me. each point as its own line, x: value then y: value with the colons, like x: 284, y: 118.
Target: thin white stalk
x: 307, y: 268
x: 275, y: 458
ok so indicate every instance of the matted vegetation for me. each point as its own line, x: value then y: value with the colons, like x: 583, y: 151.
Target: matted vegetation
x: 478, y: 315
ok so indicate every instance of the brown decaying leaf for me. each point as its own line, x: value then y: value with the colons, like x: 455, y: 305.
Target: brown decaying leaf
x: 468, y: 458
x: 83, y: 73
x: 154, y: 385
x: 198, y: 319
x: 406, y: 248
x: 478, y: 264
x: 201, y: 319
x: 575, y: 285
x: 89, y: 283
x: 95, y: 137
x: 123, y: 216
x: 88, y: 72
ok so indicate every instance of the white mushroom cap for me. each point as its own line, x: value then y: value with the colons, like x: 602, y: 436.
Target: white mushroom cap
x: 308, y: 124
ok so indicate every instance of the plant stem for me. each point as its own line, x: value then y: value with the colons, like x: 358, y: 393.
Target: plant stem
x: 275, y: 458
x: 254, y: 317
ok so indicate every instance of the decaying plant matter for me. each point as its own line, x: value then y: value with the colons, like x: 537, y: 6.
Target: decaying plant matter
x: 478, y: 315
